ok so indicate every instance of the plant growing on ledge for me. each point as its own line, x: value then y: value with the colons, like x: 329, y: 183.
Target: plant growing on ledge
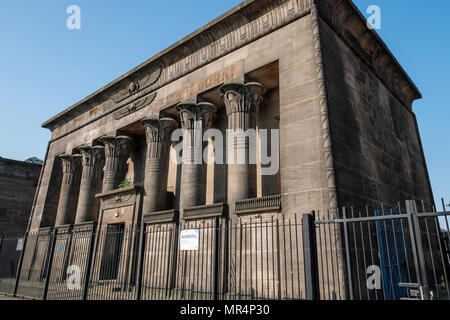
x: 125, y: 184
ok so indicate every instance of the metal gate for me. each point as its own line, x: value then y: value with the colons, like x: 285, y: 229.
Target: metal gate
x: 384, y: 254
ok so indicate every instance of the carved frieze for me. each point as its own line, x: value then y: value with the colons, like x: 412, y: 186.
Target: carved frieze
x: 135, y: 106
x: 138, y: 85
x: 200, y: 49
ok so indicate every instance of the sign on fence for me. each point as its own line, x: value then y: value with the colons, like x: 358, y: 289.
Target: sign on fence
x: 19, y: 246
x: 189, y: 240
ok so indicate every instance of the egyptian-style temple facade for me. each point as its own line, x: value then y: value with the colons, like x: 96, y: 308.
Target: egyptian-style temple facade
x: 311, y: 69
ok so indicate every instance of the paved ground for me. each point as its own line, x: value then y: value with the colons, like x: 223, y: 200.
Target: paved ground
x: 3, y: 297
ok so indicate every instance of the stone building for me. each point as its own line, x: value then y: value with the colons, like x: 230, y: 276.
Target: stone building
x: 18, y: 183
x: 311, y: 69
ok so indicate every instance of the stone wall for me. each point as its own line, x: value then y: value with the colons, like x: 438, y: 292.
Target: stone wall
x: 18, y: 182
x: 376, y: 144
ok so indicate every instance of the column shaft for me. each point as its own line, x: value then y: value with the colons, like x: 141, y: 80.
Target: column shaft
x: 66, y: 204
x: 87, y: 206
x: 242, y: 104
x: 195, y: 119
x: 158, y: 134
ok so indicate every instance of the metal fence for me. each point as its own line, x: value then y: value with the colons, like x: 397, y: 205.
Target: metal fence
x: 10, y: 250
x: 386, y: 254
x: 246, y: 259
x: 382, y: 254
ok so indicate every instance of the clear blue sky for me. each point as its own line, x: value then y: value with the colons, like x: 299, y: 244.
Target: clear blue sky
x: 45, y: 67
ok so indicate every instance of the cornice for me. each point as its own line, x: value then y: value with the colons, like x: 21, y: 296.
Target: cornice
x: 346, y: 19
x: 247, y: 22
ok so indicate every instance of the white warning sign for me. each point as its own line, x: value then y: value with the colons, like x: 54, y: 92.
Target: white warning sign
x: 189, y: 240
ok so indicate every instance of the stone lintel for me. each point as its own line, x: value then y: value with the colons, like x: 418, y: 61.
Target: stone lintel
x: 118, y: 191
x: 85, y: 226
x: 204, y: 212
x: 64, y: 229
x: 44, y: 231
x: 267, y: 204
x: 166, y: 216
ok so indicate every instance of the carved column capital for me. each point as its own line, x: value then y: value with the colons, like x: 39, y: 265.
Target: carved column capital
x: 242, y: 102
x: 117, y: 151
x: 159, y: 130
x: 191, y: 113
x: 91, y: 156
x: 69, y: 163
x: 117, y: 147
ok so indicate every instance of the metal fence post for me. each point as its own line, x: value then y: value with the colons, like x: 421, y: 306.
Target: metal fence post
x: 49, y: 264
x: 347, y: 255
x: 88, y: 262
x: 310, y: 257
x: 19, y: 266
x: 140, y: 261
x: 215, y: 261
x: 1, y: 242
x: 411, y: 209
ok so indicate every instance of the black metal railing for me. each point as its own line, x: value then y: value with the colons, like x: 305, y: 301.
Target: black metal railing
x: 252, y: 258
x: 383, y: 254
x: 369, y: 254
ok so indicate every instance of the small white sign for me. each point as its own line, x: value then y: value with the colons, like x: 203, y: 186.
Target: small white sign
x: 19, y: 246
x: 189, y: 240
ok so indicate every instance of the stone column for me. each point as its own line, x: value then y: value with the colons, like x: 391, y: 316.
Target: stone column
x: 117, y: 151
x: 158, y: 134
x: 66, y: 204
x: 242, y: 103
x: 195, y: 119
x: 92, y: 159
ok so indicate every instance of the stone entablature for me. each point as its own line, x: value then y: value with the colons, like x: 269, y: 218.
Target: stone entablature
x: 191, y: 53
x: 137, y: 89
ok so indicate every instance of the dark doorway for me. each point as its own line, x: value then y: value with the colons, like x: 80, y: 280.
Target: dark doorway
x: 112, y: 250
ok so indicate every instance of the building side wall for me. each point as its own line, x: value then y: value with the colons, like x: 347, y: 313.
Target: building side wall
x: 376, y: 145
x: 18, y: 182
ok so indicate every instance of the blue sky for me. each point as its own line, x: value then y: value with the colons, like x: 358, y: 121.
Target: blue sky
x: 45, y: 67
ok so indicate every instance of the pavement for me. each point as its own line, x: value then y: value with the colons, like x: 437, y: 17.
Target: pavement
x: 3, y: 297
